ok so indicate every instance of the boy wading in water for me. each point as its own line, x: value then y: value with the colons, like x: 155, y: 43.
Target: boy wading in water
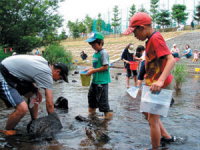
x: 98, y: 92
x: 158, y: 64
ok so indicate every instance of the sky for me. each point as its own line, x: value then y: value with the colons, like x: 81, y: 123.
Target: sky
x: 78, y: 9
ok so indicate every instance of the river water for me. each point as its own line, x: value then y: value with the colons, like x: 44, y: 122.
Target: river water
x: 128, y: 130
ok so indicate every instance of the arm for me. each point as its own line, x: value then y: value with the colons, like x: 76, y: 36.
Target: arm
x: 49, y: 101
x: 93, y: 70
x: 160, y: 82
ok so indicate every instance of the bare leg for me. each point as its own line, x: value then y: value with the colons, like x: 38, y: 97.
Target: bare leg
x: 135, y: 80
x: 155, y: 131
x: 16, y: 116
x: 34, y: 111
x: 92, y: 110
x: 108, y: 115
x: 164, y: 132
x: 127, y: 82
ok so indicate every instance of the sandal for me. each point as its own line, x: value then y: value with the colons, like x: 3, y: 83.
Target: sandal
x: 168, y: 141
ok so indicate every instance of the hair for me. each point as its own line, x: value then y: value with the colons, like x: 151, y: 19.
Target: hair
x: 187, y: 45
x: 127, y: 47
x: 98, y: 41
x: 139, y: 49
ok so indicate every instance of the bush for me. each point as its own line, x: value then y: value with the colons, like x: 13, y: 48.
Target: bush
x: 55, y: 53
x: 180, y: 73
x: 4, y: 55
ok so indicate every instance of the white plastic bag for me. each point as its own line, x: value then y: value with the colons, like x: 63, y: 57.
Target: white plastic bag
x: 155, y: 103
x: 133, y: 91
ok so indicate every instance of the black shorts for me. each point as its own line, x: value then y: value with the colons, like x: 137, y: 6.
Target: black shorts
x: 142, y: 71
x: 98, y: 97
x: 131, y: 72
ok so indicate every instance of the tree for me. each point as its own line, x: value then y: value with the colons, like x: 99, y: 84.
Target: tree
x: 163, y: 18
x: 116, y: 19
x: 88, y: 23
x: 142, y: 9
x: 153, y: 9
x: 178, y: 13
x: 76, y: 28
x: 27, y: 24
x: 132, y: 11
x: 99, y: 23
x: 197, y: 14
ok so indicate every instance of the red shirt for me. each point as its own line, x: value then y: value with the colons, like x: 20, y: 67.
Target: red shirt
x: 156, y: 49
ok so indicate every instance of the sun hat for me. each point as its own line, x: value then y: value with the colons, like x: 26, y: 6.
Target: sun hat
x: 94, y: 36
x: 64, y: 70
x: 174, y: 45
x: 131, y: 49
x: 138, y: 19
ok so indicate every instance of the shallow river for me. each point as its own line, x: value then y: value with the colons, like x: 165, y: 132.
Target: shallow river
x: 128, y: 130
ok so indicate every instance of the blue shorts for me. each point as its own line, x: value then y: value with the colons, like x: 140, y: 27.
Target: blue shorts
x: 142, y: 71
x: 9, y: 95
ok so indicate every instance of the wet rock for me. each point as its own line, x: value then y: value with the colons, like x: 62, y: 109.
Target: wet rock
x: 76, y: 72
x: 45, y: 126
x: 81, y: 118
x: 61, y: 103
x: 74, y: 81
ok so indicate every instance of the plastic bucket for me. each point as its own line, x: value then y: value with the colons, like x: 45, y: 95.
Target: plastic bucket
x: 197, y: 69
x: 133, y: 65
x: 85, y: 79
x: 155, y: 103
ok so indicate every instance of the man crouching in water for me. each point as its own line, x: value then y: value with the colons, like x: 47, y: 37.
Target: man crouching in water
x: 22, y: 74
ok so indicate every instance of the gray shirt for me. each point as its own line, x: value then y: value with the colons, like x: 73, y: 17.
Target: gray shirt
x: 30, y: 68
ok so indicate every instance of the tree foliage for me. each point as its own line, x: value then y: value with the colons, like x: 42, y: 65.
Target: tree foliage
x: 178, y: 13
x: 142, y: 9
x: 163, y: 18
x: 153, y: 9
x: 88, y: 21
x: 27, y: 24
x: 76, y: 28
x: 132, y: 10
x: 55, y: 53
x: 99, y: 23
x: 197, y: 14
x: 116, y: 19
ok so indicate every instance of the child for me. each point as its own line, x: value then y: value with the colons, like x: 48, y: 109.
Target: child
x: 98, y: 92
x: 196, y: 56
x: 158, y: 64
x: 187, y: 52
x: 128, y: 55
x: 141, y: 54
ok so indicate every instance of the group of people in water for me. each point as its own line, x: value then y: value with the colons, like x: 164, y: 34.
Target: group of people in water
x: 36, y: 73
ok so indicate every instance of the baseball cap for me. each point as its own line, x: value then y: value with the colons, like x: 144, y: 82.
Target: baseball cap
x: 64, y: 70
x: 94, y: 36
x: 138, y: 19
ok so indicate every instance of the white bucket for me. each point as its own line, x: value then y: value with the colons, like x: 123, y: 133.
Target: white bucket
x: 155, y: 103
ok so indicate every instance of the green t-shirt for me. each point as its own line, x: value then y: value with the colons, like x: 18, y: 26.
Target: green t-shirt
x: 100, y: 59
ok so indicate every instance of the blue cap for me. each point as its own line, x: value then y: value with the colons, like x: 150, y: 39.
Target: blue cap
x: 94, y: 36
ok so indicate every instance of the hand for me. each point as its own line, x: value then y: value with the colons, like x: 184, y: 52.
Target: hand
x: 156, y: 87
x: 127, y: 62
x: 90, y: 71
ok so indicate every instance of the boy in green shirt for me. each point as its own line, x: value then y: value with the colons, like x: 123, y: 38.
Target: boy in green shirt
x: 98, y: 92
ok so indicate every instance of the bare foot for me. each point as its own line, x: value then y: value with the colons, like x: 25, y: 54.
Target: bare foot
x: 8, y: 132
x: 108, y: 115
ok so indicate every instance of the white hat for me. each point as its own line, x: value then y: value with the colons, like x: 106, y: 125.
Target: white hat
x: 174, y: 45
x: 131, y: 49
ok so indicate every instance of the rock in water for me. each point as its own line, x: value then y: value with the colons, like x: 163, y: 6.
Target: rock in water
x: 45, y: 126
x: 61, y: 103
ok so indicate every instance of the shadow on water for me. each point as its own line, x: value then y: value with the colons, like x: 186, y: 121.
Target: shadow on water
x: 128, y: 130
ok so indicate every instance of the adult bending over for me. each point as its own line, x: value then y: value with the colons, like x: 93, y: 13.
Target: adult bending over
x: 23, y: 75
